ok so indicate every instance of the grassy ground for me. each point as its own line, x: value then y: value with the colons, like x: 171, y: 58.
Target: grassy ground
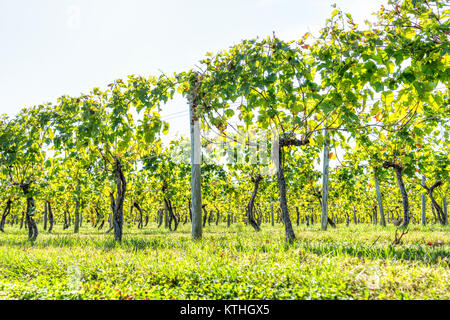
x: 355, y: 262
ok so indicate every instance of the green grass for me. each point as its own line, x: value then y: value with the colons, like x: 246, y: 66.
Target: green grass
x: 355, y: 262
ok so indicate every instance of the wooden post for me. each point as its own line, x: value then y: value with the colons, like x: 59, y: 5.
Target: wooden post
x: 45, y: 215
x: 271, y: 212
x: 444, y: 208
x: 374, y: 217
x: 326, y: 159
x: 196, y: 193
x: 77, y: 209
x: 166, y: 215
x: 424, y: 204
x: 379, y: 200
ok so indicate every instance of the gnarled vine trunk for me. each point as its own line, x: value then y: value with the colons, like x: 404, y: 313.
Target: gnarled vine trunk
x: 290, y: 235
x: 398, y: 174
x: 168, y: 208
x: 141, y: 219
x: 50, y: 216
x: 441, y: 216
x: 159, y: 217
x: 29, y: 213
x: 190, y: 210
x: 171, y: 215
x: 217, y: 217
x: 118, y: 203
x: 5, y: 214
x: 66, y: 219
x: 205, y: 215
x: 251, y: 204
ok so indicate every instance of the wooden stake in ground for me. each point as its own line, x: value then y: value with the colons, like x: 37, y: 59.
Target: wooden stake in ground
x: 379, y: 200
x: 196, y: 193
x: 326, y: 159
x: 424, y: 204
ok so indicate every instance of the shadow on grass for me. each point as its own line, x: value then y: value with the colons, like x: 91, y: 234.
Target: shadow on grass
x: 416, y: 253
x: 156, y: 239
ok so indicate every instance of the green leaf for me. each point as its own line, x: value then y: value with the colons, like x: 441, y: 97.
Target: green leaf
x: 229, y: 113
x: 334, y: 13
x: 165, y: 129
x: 48, y: 163
x: 379, y: 87
x: 375, y: 108
x: 387, y: 97
x: 326, y: 106
x: 390, y: 66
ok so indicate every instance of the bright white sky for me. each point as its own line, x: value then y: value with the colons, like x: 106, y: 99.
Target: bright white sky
x: 50, y: 48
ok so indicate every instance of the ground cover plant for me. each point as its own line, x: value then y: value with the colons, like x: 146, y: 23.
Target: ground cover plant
x: 354, y: 262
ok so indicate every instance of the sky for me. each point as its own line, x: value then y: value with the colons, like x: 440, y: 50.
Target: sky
x: 52, y: 48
